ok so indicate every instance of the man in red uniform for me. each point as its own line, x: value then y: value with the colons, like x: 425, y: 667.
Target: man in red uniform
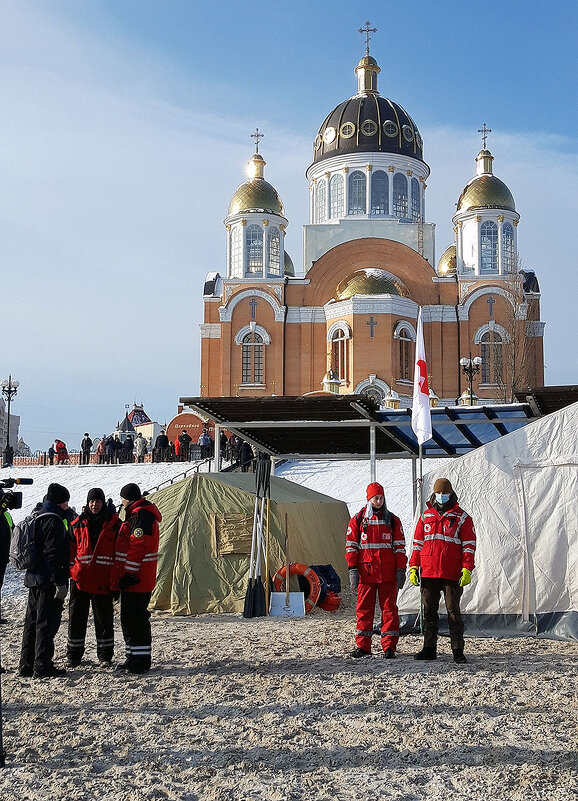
x: 375, y: 553
x: 444, y: 545
x: 134, y: 573
x: 92, y: 550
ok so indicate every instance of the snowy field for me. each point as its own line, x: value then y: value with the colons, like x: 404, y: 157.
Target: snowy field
x: 273, y: 710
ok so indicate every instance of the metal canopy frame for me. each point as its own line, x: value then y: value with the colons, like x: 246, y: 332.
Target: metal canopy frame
x: 353, y: 427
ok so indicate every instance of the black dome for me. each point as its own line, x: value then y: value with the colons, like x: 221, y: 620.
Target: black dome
x: 368, y: 123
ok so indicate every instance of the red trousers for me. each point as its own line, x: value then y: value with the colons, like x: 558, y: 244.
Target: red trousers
x: 387, y: 592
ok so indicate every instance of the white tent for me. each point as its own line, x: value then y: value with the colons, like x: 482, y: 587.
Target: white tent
x: 522, y: 492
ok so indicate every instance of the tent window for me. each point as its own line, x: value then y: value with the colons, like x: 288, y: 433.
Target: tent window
x: 233, y: 534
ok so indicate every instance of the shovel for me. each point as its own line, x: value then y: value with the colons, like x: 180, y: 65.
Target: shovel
x: 287, y: 604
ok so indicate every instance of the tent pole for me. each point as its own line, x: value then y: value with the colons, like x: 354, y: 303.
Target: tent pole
x: 372, y: 453
x: 414, y: 482
x: 217, y: 446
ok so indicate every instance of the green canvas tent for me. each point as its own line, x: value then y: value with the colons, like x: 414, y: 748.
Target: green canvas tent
x: 205, y: 538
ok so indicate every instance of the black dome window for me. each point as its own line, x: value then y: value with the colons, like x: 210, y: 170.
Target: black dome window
x: 407, y: 133
x: 390, y: 128
x: 347, y: 130
x: 369, y: 127
x: 318, y: 142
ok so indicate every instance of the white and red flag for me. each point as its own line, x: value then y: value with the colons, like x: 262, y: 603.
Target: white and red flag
x: 420, y: 410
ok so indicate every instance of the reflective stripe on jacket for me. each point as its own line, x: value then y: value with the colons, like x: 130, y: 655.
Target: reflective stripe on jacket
x: 443, y: 544
x: 91, y: 566
x: 375, y: 546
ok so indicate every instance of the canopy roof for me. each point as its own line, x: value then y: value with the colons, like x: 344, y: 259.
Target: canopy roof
x: 342, y: 426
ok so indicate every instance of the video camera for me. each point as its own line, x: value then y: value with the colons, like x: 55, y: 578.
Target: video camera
x: 11, y: 499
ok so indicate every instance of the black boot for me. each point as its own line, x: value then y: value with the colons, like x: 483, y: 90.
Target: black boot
x: 426, y: 654
x: 459, y: 657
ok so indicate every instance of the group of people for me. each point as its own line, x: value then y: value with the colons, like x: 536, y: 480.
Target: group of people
x: 441, y: 562
x: 100, y: 559
x: 177, y: 450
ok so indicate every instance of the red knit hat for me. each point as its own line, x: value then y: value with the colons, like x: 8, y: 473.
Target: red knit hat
x: 374, y: 489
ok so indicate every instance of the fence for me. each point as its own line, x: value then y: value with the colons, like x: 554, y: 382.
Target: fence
x: 41, y: 459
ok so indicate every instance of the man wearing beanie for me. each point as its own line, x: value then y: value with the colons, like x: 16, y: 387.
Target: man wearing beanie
x: 375, y: 554
x: 444, y: 545
x: 47, y: 583
x: 134, y: 574
x: 92, y: 550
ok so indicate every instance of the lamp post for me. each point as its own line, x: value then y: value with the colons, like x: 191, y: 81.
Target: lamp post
x: 9, y: 389
x: 471, y: 367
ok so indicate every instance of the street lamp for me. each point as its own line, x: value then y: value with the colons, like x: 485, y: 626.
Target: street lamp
x: 470, y: 367
x: 9, y: 389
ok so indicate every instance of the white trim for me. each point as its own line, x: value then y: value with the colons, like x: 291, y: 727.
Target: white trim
x: 492, y: 326
x: 210, y: 330
x: 464, y: 308
x: 404, y: 324
x: 340, y: 325
x: 371, y: 304
x: 535, y: 328
x: 257, y: 329
x: 226, y: 312
x: 374, y: 382
x: 306, y: 314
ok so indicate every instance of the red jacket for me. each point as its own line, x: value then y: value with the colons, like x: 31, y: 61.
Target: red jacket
x: 375, y: 546
x: 137, y: 546
x: 90, y: 566
x: 444, y: 543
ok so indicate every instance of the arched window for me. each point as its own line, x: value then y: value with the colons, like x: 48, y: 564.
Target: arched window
x: 492, y: 370
x: 375, y: 393
x: 336, y: 195
x: 252, y: 357
x: 405, y: 353
x: 254, y: 250
x: 357, y: 188
x: 379, y: 193
x: 508, y: 264
x: 321, y: 202
x: 415, y: 200
x: 340, y: 354
x: 400, y: 195
x: 489, y: 246
x: 236, y: 252
x: 274, y: 244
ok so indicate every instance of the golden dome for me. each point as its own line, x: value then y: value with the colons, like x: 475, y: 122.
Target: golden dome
x: 289, y: 269
x: 447, y: 263
x: 370, y: 282
x: 486, y: 192
x: 256, y: 195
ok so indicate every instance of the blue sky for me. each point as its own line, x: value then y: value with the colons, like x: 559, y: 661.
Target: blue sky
x: 125, y: 130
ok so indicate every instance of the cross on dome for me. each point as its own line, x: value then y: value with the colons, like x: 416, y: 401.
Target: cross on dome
x: 256, y: 136
x: 367, y: 30
x: 484, y: 131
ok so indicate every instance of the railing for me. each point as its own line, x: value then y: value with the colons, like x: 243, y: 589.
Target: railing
x: 42, y: 459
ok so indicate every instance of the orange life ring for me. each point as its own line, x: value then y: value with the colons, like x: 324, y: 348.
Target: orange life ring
x: 296, y: 569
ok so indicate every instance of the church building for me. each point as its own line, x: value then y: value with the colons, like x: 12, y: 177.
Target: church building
x: 346, y: 321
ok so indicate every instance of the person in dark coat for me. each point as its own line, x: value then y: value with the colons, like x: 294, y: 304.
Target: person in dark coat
x: 129, y: 450
x: 51, y: 455
x: 161, y: 449
x: 245, y: 456
x: 185, y: 440
x: 85, y: 447
x: 47, y: 584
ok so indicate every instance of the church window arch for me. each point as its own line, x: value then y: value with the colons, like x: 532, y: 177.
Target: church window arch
x: 415, y: 200
x: 340, y: 354
x: 252, y: 358
x: 508, y: 260
x: 380, y: 193
x: 321, y: 202
x: 236, y: 252
x: 489, y: 247
x: 405, y: 338
x: 400, y: 195
x: 336, y: 195
x: 492, y: 361
x: 357, y: 191
x: 254, y: 250
x: 274, y: 251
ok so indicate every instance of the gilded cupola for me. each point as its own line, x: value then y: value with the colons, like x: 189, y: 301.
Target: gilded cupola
x: 370, y: 282
x: 485, y: 190
x: 256, y: 194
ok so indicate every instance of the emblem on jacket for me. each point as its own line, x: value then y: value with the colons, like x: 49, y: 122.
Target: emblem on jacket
x: 138, y: 532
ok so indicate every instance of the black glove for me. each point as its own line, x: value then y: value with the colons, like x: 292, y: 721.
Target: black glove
x: 128, y: 581
x: 400, y: 577
x: 353, y: 578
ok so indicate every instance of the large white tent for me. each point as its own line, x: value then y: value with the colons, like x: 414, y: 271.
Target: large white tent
x: 522, y: 492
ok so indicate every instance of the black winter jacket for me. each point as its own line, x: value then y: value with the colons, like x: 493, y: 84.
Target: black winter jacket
x: 52, y: 549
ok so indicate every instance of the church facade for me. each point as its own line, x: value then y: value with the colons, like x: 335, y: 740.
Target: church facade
x: 346, y: 322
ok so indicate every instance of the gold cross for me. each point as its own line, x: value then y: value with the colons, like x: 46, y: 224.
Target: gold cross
x: 256, y: 136
x: 484, y: 131
x: 367, y: 30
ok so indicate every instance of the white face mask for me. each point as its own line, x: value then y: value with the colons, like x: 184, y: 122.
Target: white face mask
x: 442, y: 498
